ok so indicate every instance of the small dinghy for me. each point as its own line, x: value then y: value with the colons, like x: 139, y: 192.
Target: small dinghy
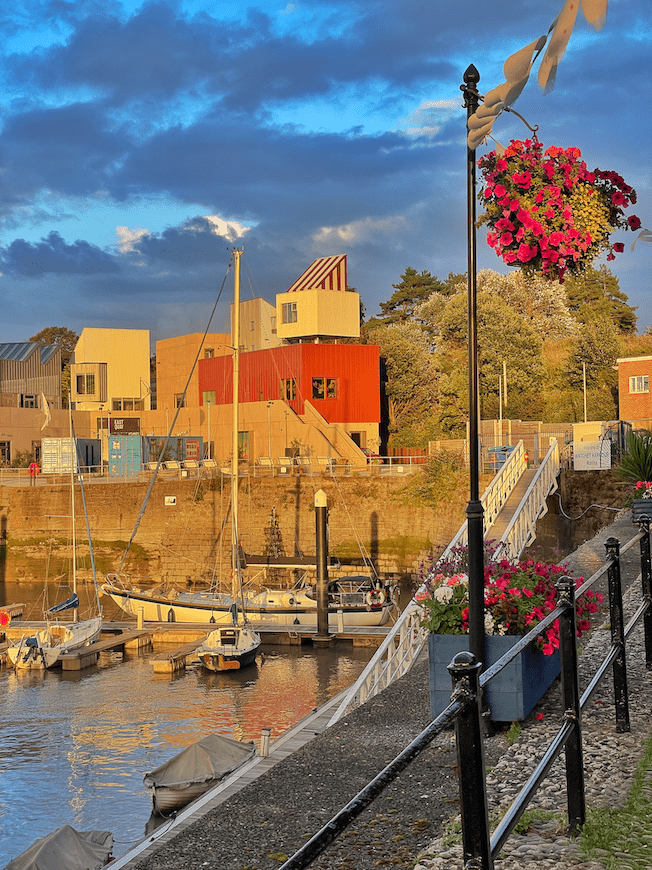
x: 194, y: 770
x: 66, y: 849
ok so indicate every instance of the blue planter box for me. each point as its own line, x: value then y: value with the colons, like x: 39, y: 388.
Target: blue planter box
x: 511, y: 694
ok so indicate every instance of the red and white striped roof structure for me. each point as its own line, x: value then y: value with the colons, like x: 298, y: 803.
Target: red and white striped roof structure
x: 326, y: 273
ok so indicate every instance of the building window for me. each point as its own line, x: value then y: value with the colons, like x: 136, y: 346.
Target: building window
x: 27, y: 401
x: 127, y: 404
x: 208, y: 353
x: 318, y: 388
x: 244, y: 445
x: 86, y: 385
x: 289, y: 312
x: 288, y: 389
x: 639, y: 384
x: 324, y: 388
x: 179, y: 400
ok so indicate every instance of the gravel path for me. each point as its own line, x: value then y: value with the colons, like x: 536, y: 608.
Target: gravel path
x: 268, y: 821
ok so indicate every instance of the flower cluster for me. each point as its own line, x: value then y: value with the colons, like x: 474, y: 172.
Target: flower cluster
x: 643, y: 489
x: 517, y: 597
x: 547, y: 213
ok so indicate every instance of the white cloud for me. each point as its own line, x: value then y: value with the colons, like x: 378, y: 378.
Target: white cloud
x: 426, y: 120
x: 127, y: 237
x: 363, y: 230
x: 230, y: 230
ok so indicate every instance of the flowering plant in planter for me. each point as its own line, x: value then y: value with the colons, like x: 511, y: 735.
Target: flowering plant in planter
x: 517, y: 596
x: 643, y: 489
x: 547, y: 212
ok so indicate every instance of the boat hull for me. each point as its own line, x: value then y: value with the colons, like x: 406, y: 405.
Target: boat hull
x: 166, y: 800
x: 201, y: 608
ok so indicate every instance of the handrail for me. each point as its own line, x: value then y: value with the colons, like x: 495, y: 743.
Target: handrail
x: 496, y: 494
x: 381, y: 670
x: 521, y: 530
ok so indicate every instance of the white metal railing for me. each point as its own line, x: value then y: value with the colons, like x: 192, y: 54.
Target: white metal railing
x: 496, y: 495
x: 395, y: 656
x: 392, y: 659
x: 521, y: 530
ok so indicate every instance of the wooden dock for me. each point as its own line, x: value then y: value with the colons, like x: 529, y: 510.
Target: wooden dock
x: 296, y: 737
x: 88, y: 655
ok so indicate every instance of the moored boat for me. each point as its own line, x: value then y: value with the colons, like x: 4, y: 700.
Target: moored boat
x: 194, y: 770
x: 43, y: 648
x: 66, y: 849
x: 229, y: 648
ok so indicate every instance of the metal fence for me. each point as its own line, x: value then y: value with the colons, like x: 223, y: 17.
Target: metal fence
x: 480, y: 846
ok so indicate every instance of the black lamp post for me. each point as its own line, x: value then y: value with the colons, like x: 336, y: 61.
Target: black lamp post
x: 474, y: 509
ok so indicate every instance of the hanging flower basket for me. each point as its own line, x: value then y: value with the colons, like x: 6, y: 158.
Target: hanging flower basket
x: 547, y: 213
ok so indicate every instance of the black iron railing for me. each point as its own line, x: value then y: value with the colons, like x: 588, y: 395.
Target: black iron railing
x: 465, y: 712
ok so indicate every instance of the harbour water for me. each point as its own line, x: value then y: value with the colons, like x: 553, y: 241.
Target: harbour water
x: 75, y: 745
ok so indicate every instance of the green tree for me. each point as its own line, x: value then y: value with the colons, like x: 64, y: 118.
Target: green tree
x: 411, y: 383
x: 504, y: 336
x: 413, y: 288
x: 595, y: 351
x: 596, y: 293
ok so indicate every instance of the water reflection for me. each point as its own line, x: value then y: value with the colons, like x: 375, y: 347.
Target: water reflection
x: 76, y: 744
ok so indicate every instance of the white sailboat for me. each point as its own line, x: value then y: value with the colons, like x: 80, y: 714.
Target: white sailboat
x: 43, y: 648
x: 235, y: 646
x: 362, y: 601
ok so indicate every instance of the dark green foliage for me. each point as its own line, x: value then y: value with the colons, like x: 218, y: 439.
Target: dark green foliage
x: 636, y: 462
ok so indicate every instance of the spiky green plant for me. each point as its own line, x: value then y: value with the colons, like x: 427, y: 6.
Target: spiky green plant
x: 636, y: 461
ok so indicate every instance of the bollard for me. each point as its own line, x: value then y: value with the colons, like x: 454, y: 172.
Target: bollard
x: 570, y: 693
x: 265, y: 734
x: 617, y: 635
x: 465, y: 671
x: 321, y: 535
x: 141, y: 617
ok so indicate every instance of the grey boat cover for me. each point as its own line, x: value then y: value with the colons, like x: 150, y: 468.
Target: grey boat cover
x: 212, y: 757
x: 66, y: 849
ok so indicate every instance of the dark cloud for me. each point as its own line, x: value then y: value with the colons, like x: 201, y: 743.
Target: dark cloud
x: 161, y: 103
x: 53, y: 255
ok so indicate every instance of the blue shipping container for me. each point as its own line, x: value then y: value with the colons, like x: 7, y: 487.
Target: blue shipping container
x: 125, y: 455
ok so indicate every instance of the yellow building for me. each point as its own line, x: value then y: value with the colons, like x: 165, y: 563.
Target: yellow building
x: 110, y: 371
x: 318, y: 306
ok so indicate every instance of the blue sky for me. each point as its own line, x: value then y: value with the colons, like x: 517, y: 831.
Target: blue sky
x: 140, y: 142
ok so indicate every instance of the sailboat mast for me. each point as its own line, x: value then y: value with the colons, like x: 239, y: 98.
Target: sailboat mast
x: 235, y: 562
x: 73, y: 457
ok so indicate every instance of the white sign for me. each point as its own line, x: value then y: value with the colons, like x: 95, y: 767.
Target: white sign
x: 591, y: 455
x: 170, y: 499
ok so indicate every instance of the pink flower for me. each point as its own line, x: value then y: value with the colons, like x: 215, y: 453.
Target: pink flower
x: 500, y: 190
x: 526, y: 252
x: 619, y: 247
x: 506, y: 239
x: 539, y: 717
x: 634, y: 222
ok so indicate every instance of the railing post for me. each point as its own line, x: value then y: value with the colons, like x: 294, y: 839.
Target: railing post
x: 570, y: 691
x: 646, y: 579
x: 465, y: 671
x: 617, y: 635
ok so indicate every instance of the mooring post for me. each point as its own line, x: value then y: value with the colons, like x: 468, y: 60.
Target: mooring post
x: 570, y: 692
x: 465, y: 671
x: 617, y: 634
x: 321, y: 532
x: 646, y: 582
